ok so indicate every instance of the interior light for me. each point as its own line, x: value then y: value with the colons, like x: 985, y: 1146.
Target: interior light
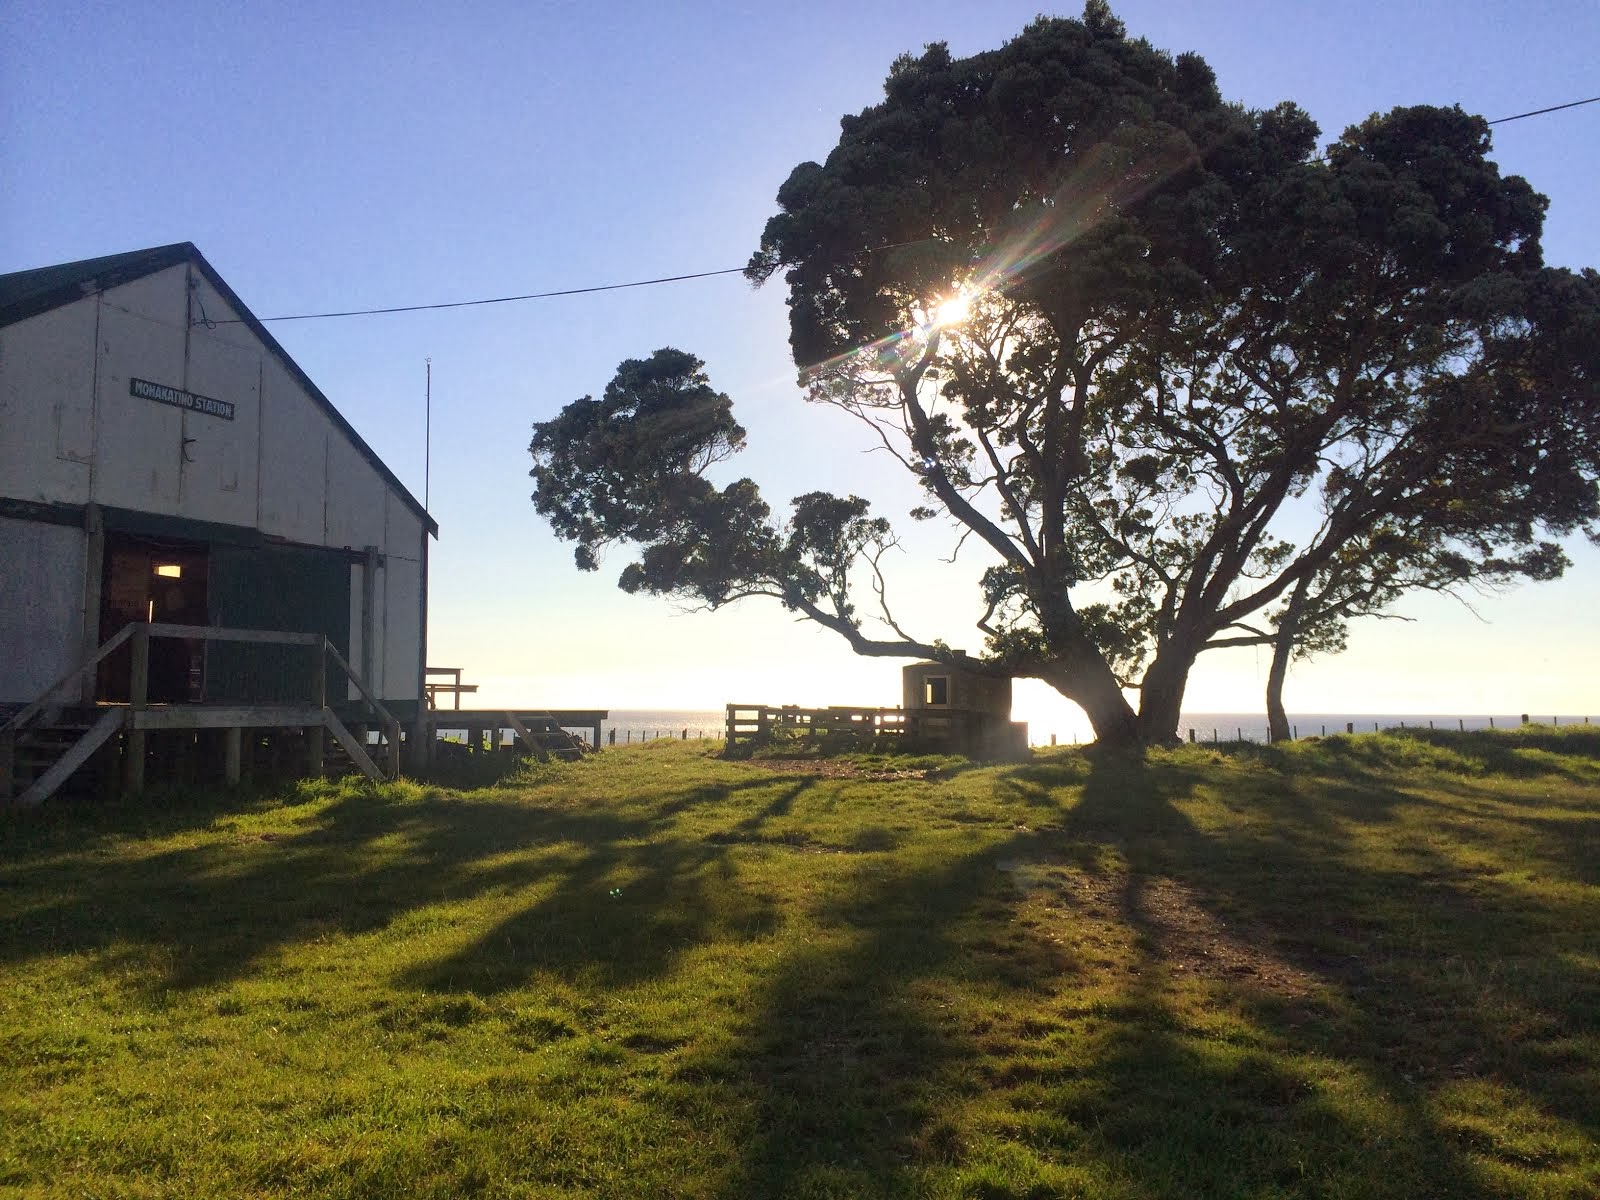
x: 170, y: 570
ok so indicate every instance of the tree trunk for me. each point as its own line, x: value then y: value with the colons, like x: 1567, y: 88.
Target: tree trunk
x: 1090, y: 684
x: 1277, y: 719
x: 1161, y: 696
x: 1282, y: 650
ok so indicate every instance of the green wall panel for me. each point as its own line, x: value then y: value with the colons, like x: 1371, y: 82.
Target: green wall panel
x: 274, y: 587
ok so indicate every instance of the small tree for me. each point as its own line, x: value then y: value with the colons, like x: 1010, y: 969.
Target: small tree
x: 1128, y: 337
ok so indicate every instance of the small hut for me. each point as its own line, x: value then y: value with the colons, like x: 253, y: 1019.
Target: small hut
x: 967, y: 712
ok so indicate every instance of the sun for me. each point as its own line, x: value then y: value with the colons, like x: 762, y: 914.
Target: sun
x: 952, y: 311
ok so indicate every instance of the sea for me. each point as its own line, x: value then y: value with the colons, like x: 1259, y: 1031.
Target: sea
x: 639, y: 725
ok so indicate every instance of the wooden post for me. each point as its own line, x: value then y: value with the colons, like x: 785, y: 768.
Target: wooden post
x: 138, y: 698
x: 315, y: 760
x: 232, y: 754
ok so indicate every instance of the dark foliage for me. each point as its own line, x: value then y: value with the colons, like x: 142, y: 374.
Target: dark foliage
x: 1185, y: 339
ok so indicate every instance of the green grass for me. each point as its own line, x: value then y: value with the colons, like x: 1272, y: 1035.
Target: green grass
x: 1356, y: 967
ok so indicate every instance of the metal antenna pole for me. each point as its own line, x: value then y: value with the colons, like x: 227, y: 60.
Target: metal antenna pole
x: 427, y: 434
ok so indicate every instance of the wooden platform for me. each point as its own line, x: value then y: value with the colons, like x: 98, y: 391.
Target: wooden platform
x: 497, y: 722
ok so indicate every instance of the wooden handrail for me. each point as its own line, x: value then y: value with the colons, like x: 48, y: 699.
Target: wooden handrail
x: 140, y: 633
x: 43, y: 702
x: 377, y: 705
x: 218, y: 633
x: 391, y: 726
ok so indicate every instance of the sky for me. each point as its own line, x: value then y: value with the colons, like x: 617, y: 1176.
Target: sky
x: 367, y: 155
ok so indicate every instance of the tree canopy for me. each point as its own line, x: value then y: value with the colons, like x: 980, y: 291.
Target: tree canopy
x: 1187, y: 381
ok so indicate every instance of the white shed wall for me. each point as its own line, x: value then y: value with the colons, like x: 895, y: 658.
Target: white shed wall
x: 47, y: 405
x: 72, y: 433
x: 41, y: 606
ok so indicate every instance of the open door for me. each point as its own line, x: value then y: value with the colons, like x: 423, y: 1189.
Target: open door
x: 154, y: 580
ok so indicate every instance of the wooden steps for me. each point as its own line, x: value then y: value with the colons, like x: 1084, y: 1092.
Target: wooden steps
x: 57, y: 756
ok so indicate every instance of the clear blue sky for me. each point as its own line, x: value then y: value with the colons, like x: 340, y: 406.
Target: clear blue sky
x: 361, y: 154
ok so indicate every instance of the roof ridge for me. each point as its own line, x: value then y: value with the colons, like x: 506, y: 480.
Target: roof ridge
x: 25, y: 294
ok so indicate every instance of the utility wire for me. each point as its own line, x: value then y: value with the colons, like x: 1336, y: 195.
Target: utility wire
x: 613, y: 287
x: 604, y: 287
x: 1539, y: 112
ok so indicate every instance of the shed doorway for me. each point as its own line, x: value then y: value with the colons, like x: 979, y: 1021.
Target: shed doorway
x: 148, y: 580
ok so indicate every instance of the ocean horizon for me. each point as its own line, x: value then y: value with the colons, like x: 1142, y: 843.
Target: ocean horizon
x: 649, y: 724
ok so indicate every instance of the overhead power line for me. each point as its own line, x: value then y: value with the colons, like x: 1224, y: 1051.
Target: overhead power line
x: 1539, y: 112
x: 603, y: 287
x: 638, y: 283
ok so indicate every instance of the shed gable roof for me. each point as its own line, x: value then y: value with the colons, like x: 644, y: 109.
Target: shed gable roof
x: 25, y: 294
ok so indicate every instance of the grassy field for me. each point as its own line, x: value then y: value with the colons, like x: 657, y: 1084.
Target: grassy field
x: 1357, y: 967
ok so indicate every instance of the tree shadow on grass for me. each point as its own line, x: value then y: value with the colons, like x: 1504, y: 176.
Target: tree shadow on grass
x: 853, y: 1057
x: 621, y: 909
x: 863, y: 1056
x: 1283, y: 1021
x: 212, y: 906
x: 1424, y: 980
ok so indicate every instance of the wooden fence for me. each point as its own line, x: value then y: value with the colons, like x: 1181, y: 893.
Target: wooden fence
x: 759, y: 722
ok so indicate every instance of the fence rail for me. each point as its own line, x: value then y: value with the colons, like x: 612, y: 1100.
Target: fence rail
x: 757, y: 722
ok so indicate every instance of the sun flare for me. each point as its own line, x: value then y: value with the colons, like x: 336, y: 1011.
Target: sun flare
x: 953, y: 311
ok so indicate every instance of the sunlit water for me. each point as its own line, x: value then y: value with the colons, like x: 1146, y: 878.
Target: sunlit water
x: 636, y: 725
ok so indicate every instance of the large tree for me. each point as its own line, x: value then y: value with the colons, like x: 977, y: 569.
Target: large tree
x: 1186, y: 382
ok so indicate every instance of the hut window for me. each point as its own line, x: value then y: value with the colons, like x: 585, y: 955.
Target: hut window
x: 170, y: 570
x: 936, y: 691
